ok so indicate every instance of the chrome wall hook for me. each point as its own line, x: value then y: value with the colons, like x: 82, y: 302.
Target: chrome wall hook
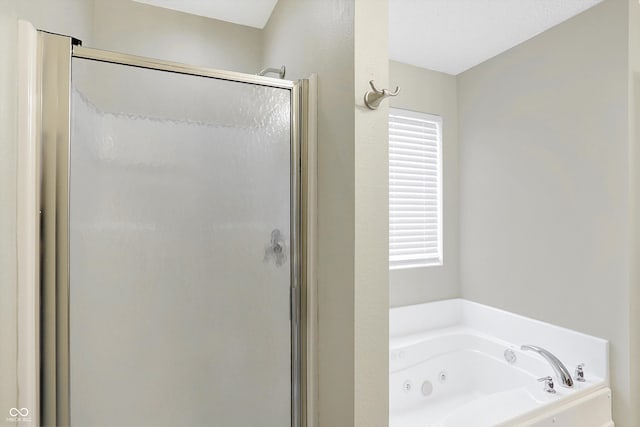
x: 374, y: 97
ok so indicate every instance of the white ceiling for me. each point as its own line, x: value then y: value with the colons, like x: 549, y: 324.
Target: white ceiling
x: 253, y: 13
x: 443, y: 35
x: 454, y: 35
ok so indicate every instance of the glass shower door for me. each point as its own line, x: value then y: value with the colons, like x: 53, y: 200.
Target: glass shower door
x: 179, y: 243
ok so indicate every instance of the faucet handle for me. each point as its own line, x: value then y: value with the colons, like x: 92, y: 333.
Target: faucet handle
x: 580, y: 373
x: 548, y: 384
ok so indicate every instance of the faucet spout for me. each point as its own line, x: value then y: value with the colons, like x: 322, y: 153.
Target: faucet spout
x: 558, y: 367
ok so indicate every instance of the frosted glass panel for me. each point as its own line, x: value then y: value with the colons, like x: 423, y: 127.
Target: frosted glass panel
x: 179, y: 293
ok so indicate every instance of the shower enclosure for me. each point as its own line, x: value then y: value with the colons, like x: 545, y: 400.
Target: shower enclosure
x: 172, y: 288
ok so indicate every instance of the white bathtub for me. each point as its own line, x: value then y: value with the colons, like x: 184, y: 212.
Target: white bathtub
x: 448, y: 373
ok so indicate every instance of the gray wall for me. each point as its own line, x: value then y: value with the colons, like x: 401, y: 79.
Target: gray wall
x: 139, y: 29
x: 435, y: 93
x: 371, y: 240
x: 324, y: 37
x: 544, y: 179
x: 70, y: 17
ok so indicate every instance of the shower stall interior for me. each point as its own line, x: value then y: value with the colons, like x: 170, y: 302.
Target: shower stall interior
x: 172, y: 288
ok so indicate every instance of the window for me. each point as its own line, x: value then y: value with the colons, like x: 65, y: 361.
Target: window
x: 415, y: 189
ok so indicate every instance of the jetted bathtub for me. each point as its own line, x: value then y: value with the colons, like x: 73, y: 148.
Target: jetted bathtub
x: 458, y: 364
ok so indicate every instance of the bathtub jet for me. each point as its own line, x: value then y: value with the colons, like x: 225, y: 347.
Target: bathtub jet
x: 558, y: 367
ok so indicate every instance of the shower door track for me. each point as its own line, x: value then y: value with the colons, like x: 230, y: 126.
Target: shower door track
x: 54, y: 120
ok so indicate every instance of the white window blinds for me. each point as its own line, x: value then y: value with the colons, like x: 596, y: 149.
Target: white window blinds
x: 415, y: 189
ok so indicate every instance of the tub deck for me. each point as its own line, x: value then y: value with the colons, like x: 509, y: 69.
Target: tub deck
x: 458, y: 376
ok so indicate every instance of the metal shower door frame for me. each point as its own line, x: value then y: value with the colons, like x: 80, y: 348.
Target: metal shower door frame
x: 55, y: 53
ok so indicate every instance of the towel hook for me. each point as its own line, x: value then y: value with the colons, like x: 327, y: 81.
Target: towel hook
x: 373, y: 98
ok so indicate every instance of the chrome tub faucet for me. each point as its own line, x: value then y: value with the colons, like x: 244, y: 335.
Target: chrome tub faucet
x: 559, y: 369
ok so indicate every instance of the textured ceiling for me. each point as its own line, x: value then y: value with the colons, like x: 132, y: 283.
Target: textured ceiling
x: 253, y: 13
x: 454, y: 35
